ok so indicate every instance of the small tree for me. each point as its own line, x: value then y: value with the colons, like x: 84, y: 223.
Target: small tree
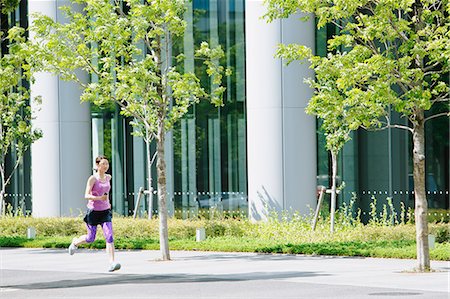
x: 398, y: 57
x: 335, y: 106
x: 126, y: 47
x: 16, y: 132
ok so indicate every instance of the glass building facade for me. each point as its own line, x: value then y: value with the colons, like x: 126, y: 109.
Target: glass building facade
x: 379, y: 164
x: 19, y: 190
x: 206, y: 152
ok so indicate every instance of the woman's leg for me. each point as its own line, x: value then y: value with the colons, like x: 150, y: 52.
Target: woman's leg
x: 89, y: 238
x: 108, y: 234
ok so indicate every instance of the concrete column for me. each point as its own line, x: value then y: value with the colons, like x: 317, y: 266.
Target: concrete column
x: 61, y: 160
x: 170, y: 201
x: 139, y: 166
x: 281, y: 138
x: 98, y: 147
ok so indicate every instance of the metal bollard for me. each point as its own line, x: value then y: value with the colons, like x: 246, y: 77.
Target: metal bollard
x: 200, y: 234
x: 31, y: 233
x: 431, y: 241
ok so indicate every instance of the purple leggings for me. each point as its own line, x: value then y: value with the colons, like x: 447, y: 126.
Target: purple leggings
x: 107, y: 232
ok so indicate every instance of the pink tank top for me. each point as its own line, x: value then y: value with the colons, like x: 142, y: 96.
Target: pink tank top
x: 100, y: 188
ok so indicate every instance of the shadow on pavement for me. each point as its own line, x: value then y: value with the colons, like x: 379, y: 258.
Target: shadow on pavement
x: 260, y: 257
x: 158, y: 279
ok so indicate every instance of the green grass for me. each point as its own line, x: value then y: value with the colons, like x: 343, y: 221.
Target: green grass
x: 405, y: 249
x: 289, y: 234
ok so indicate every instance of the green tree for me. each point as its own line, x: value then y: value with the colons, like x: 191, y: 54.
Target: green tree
x: 7, y: 6
x: 16, y: 132
x: 126, y: 47
x: 398, y: 56
x: 339, y: 112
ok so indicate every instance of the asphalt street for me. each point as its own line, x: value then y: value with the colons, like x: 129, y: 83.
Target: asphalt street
x: 53, y: 273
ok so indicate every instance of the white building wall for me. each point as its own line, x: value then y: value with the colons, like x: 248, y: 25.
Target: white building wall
x: 61, y: 160
x: 281, y: 138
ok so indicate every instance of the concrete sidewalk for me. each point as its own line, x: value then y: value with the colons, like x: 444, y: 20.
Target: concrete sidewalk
x: 53, y: 273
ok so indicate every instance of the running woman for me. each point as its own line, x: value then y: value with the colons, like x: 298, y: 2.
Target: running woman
x: 99, y: 211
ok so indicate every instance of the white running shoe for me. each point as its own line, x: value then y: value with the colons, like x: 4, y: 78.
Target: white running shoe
x: 114, y: 267
x: 72, y: 247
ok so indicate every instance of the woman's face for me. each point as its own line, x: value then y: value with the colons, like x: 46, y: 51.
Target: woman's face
x: 103, y: 165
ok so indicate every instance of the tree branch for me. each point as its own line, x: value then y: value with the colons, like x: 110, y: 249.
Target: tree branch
x: 2, y: 172
x: 436, y: 115
x: 74, y: 46
x: 154, y: 156
x: 119, y: 7
x: 12, y: 171
x: 387, y: 127
x: 430, y: 67
x: 125, y: 107
x: 434, y: 72
x: 402, y: 85
x: 442, y: 98
x: 401, y: 127
x: 91, y: 66
x: 401, y: 34
x: 337, y: 25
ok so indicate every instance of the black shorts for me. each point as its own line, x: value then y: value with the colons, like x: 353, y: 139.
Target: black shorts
x: 97, y: 217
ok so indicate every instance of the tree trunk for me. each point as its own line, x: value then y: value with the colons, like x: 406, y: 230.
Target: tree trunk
x: 162, y: 194
x: 2, y: 189
x: 333, y: 189
x: 2, y: 202
x: 149, y: 175
x: 421, y: 205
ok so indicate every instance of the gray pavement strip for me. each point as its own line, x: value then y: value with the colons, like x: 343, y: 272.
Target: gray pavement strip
x: 270, y: 289
x: 88, y: 279
x: 395, y: 294
x: 52, y: 273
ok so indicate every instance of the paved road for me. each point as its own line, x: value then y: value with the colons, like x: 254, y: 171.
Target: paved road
x: 52, y: 273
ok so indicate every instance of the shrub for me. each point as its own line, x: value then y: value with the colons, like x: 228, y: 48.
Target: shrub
x: 442, y: 233
x: 387, y: 234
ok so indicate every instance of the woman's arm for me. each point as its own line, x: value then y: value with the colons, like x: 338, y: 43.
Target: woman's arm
x: 88, y: 195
